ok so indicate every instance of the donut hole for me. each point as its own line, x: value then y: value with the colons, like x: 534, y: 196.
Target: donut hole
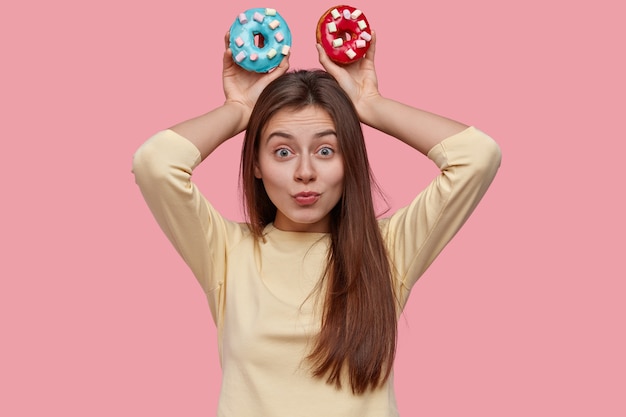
x: 346, y: 36
x: 259, y: 40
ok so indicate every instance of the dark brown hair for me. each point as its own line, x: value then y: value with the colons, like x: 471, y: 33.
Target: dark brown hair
x: 358, y: 335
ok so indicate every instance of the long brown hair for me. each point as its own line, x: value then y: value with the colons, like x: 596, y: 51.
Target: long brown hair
x: 358, y: 332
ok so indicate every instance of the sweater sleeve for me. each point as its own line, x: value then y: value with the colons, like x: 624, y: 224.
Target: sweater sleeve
x: 163, y: 166
x: 416, y: 234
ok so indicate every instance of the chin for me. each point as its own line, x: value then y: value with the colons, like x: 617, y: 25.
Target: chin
x: 304, y: 224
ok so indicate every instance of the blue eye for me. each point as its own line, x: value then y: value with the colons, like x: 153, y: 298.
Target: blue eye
x: 326, y: 151
x: 282, y: 152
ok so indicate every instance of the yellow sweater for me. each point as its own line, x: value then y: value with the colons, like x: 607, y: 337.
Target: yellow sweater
x: 259, y: 292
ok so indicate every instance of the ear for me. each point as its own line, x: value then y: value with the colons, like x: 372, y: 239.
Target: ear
x: 257, y: 171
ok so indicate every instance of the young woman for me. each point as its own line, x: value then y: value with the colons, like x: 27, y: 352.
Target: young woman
x: 306, y: 293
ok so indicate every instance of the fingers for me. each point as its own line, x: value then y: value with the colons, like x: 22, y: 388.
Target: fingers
x: 227, y: 39
x: 323, y: 57
x: 280, y: 69
x: 371, y: 52
x: 321, y: 54
x: 330, y: 67
x: 228, y: 54
x: 284, y: 64
x: 227, y: 60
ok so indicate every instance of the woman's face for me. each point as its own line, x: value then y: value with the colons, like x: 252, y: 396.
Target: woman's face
x: 301, y: 168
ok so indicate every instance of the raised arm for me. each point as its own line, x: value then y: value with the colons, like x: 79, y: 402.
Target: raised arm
x: 417, y: 128
x: 468, y: 160
x: 241, y: 90
x: 163, y: 168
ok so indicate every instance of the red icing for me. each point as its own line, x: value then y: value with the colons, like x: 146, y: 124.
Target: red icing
x: 348, y: 29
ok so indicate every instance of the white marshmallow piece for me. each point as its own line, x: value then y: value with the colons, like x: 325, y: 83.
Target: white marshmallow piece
x: 346, y: 14
x: 271, y: 53
x: 285, y: 50
x: 270, y: 12
x: 351, y: 54
x: 366, y: 36
x: 335, y: 14
x: 239, y: 41
x: 240, y: 56
x: 355, y: 14
x: 362, y: 24
x: 332, y: 27
x: 242, y: 18
x: 274, y: 24
x: 337, y: 42
x: 258, y: 17
x: 279, y: 37
x: 360, y: 43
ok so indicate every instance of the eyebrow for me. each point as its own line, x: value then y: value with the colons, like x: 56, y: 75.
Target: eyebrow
x: 286, y: 135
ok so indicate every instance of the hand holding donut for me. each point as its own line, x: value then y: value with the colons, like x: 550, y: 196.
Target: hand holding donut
x: 345, y: 43
x: 259, y: 41
x: 242, y: 86
x: 358, y: 80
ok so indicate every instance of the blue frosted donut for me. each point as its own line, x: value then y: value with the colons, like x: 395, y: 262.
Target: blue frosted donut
x: 259, y: 38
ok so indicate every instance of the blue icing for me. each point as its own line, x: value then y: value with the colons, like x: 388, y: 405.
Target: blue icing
x: 247, y: 31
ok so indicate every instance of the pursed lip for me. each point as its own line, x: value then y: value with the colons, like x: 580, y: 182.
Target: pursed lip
x: 306, y: 198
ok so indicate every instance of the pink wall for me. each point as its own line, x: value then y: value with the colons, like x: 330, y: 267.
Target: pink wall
x: 522, y: 315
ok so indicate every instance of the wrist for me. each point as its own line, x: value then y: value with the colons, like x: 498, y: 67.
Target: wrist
x: 239, y: 114
x: 369, y: 108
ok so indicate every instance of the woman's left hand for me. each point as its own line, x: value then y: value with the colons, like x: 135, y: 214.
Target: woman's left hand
x: 358, y: 79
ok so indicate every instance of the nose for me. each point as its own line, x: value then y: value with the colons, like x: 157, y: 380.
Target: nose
x: 305, y: 170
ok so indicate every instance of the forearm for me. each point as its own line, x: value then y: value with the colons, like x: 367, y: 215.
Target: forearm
x: 211, y: 129
x: 417, y: 128
x: 468, y: 162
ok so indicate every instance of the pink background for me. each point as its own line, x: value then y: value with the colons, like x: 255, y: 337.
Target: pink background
x: 522, y: 315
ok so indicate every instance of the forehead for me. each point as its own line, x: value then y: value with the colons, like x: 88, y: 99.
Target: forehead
x: 309, y: 118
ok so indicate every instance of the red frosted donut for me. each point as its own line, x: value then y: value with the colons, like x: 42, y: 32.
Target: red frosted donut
x: 344, y: 33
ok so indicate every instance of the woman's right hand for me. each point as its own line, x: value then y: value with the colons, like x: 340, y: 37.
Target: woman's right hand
x: 244, y: 87
x: 241, y: 89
